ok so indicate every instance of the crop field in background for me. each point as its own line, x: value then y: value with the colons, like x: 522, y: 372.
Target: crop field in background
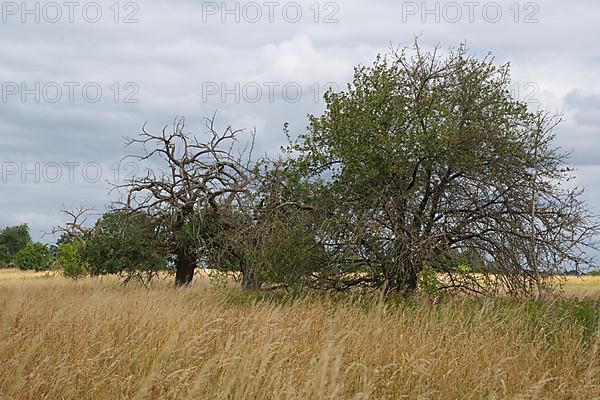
x: 587, y: 286
x: 94, y: 339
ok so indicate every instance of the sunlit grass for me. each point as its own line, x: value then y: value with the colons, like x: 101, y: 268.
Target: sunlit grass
x: 17, y: 275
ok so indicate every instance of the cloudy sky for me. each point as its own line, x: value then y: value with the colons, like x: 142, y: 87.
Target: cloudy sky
x: 76, y: 77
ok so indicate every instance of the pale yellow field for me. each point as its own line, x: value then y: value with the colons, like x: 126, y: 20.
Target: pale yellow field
x: 93, y: 339
x: 581, y: 287
x: 18, y: 275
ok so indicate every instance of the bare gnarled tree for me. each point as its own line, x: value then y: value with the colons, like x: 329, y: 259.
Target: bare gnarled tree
x: 75, y: 228
x: 191, y: 180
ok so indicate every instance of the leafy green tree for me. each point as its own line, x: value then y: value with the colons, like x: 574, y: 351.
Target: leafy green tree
x: 34, y: 256
x: 124, y: 243
x: 70, y: 260
x: 12, y: 240
x: 426, y: 155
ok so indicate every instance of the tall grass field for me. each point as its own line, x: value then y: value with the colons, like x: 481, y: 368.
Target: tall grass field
x: 95, y: 339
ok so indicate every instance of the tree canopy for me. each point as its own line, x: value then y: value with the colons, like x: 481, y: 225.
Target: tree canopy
x: 426, y: 155
x: 123, y: 243
x: 12, y: 240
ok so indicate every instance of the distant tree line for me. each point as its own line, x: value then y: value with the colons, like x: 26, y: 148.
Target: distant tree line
x: 18, y: 250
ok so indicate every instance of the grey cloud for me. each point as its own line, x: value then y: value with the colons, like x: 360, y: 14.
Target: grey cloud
x: 171, y: 55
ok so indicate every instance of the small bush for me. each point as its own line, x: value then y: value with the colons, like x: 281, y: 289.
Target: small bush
x: 428, y: 281
x: 34, y: 256
x: 70, y: 261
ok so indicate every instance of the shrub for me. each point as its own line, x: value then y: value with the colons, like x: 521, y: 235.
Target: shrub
x: 70, y: 260
x: 428, y: 280
x: 124, y: 244
x: 34, y: 256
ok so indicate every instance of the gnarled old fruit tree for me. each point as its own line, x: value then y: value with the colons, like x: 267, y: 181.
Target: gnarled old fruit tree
x: 189, y: 181
x: 427, y: 157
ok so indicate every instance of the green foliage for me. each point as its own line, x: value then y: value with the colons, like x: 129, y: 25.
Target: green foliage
x: 12, y: 240
x: 34, y: 256
x: 272, y: 239
x: 428, y: 280
x: 464, y: 269
x: 426, y: 160
x: 70, y: 260
x: 288, y: 251
x: 545, y: 317
x: 123, y: 243
x: 279, y: 247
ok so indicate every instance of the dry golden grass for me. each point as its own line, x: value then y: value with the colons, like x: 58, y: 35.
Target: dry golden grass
x: 17, y: 275
x: 93, y: 339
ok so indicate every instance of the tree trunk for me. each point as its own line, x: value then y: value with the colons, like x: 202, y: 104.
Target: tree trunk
x: 403, y: 282
x: 248, y: 278
x: 185, y: 266
x: 410, y: 281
